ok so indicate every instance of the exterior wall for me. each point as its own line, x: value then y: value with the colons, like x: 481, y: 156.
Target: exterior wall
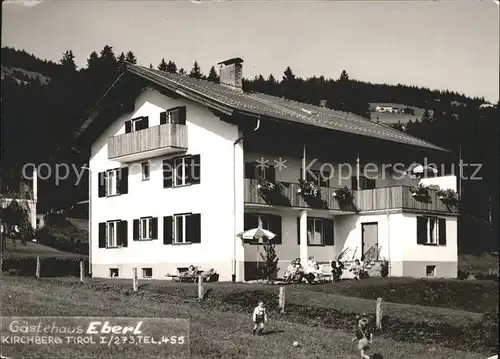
x: 340, y: 174
x: 444, y: 182
x: 213, y: 198
x: 288, y: 250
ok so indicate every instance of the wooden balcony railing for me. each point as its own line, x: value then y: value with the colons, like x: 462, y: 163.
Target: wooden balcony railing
x: 387, y: 198
x: 167, y: 138
x: 400, y: 197
x: 288, y: 196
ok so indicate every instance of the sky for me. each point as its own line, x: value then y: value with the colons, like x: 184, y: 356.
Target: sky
x: 448, y: 44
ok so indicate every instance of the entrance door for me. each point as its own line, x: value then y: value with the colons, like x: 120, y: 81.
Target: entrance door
x: 369, y: 241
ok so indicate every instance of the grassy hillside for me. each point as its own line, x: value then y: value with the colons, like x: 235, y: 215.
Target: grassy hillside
x: 391, y: 118
x: 23, y: 76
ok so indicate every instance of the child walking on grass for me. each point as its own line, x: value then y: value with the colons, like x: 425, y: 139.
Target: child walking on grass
x: 364, y: 336
x: 259, y: 318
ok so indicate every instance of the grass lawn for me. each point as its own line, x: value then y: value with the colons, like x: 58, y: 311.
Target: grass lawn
x: 215, y: 332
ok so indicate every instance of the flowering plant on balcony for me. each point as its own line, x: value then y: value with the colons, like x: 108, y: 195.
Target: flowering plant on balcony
x: 344, y: 194
x: 308, y: 189
x: 266, y: 185
x: 420, y: 191
x: 447, y: 195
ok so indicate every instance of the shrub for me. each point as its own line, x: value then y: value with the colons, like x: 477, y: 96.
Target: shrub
x: 462, y: 275
x: 384, y: 271
x: 49, y: 266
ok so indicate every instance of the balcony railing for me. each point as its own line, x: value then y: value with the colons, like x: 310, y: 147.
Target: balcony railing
x: 387, y: 198
x: 153, y: 141
x: 288, y: 196
x: 400, y: 197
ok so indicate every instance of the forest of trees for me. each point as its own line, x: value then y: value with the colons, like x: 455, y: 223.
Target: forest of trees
x: 37, y: 118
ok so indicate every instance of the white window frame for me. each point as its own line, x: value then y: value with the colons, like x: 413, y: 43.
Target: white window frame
x: 112, y: 182
x: 432, y: 231
x: 184, y: 178
x: 433, y: 273
x: 144, y: 273
x: 112, y: 234
x: 145, y: 228
x: 134, y: 123
x: 111, y: 270
x: 183, y: 219
x: 310, y: 231
x: 147, y: 165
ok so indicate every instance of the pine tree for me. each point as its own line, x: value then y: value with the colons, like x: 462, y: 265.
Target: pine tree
x: 92, y: 60
x: 288, y: 84
x: 121, y: 62
x: 196, y: 71
x: 68, y: 61
x: 172, y: 67
x: 212, y: 75
x: 182, y: 71
x: 344, y: 76
x: 271, y: 261
x: 163, y: 65
x: 151, y: 66
x: 426, y: 118
x: 131, y: 58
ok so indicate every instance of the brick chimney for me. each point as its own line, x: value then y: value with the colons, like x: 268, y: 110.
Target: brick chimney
x: 231, y: 73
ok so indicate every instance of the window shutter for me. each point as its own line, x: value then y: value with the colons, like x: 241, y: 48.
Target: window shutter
x: 154, y: 228
x: 168, y: 229
x: 122, y: 234
x: 329, y: 234
x: 145, y: 122
x: 101, y: 178
x: 163, y: 117
x: 193, y: 228
x: 354, y: 183
x: 271, y: 174
x: 135, y: 234
x: 123, y: 181
x: 250, y: 221
x: 128, y: 126
x: 194, y: 169
x: 102, y: 235
x: 442, y: 231
x: 168, y: 173
x: 421, y: 230
x: 182, y: 115
x: 298, y: 230
x: 275, y: 227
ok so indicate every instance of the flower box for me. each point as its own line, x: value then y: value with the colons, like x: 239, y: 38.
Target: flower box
x: 420, y: 191
x: 447, y: 195
x: 344, y: 194
x: 309, y: 189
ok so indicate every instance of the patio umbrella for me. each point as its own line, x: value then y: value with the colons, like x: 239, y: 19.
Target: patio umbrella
x: 256, y: 234
x: 421, y: 170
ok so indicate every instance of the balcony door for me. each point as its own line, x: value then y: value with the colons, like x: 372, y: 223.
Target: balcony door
x: 369, y: 241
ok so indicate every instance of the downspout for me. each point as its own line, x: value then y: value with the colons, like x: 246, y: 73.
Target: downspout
x: 388, y: 245
x: 233, y: 276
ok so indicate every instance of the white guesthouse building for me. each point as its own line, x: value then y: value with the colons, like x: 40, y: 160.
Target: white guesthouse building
x: 176, y: 164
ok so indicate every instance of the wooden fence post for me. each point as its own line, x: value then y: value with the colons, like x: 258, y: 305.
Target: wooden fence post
x: 282, y: 300
x: 81, y: 272
x: 200, y: 287
x: 37, y: 267
x: 379, y: 314
x: 134, y: 280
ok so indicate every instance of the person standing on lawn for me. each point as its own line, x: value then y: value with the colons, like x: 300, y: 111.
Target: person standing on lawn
x: 364, y: 336
x: 259, y: 318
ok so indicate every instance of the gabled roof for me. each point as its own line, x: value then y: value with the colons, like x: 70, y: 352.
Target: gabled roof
x: 231, y: 101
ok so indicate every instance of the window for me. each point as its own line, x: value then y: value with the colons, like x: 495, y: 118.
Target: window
x: 431, y: 231
x: 175, y: 115
x: 113, y: 234
x: 430, y: 271
x: 182, y: 228
x: 145, y: 170
x: 320, y: 231
x: 364, y: 183
x: 254, y: 170
x: 113, y: 272
x: 315, y: 176
x: 113, y: 182
x: 145, y: 228
x: 181, y: 171
x: 267, y: 221
x: 136, y: 124
x: 147, y: 272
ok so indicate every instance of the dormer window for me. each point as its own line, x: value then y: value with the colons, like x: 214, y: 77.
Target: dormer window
x: 174, y: 115
x: 136, y: 124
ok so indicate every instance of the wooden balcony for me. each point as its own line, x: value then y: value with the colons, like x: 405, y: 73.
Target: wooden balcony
x: 379, y: 199
x: 400, y: 197
x: 288, y: 196
x: 150, y: 142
